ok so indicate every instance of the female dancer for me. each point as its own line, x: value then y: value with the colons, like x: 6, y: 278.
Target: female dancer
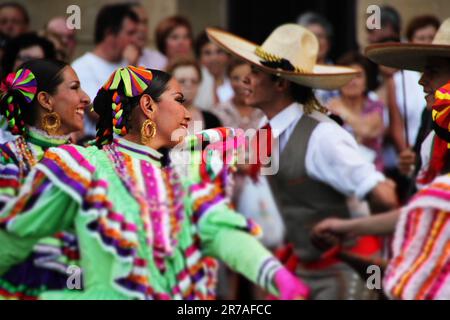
x: 145, y: 230
x: 42, y: 103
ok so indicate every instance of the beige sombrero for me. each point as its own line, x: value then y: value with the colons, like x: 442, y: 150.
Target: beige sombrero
x: 289, y: 52
x: 410, y: 56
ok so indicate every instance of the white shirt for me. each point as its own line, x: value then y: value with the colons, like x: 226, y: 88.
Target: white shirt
x: 332, y: 155
x: 93, y: 72
x: 426, y: 149
x: 205, y: 95
x: 152, y: 59
x: 415, y: 100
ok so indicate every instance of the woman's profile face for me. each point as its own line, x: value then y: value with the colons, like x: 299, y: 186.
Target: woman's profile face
x: 171, y: 117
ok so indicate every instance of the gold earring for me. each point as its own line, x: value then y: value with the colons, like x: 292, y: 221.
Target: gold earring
x: 51, y: 122
x: 148, y: 131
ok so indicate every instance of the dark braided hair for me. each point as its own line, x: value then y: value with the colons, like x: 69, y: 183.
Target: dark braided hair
x: 114, y: 107
x: 14, y: 105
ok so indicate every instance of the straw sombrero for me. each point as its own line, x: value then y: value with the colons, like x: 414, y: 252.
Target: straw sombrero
x: 410, y: 56
x: 289, y: 52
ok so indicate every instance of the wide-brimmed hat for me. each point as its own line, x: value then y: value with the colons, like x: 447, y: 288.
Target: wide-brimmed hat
x: 411, y: 56
x: 290, y: 52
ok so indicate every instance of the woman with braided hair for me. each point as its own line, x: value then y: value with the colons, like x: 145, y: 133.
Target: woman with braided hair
x: 42, y: 103
x: 146, y: 230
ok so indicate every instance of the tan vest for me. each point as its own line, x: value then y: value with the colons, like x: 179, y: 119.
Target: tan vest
x: 303, y: 201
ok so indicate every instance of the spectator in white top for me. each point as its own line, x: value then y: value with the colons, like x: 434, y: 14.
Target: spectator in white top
x: 148, y: 58
x: 323, y: 30
x: 115, y: 29
x: 216, y: 86
x: 420, y: 30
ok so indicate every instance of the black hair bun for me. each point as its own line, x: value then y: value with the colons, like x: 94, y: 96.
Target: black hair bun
x: 102, y: 101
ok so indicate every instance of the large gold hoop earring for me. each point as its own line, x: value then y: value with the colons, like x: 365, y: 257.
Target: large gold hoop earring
x: 148, y: 131
x: 51, y: 122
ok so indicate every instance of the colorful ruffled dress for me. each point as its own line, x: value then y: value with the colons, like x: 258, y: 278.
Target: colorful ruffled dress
x: 45, y: 266
x: 145, y: 231
x: 420, y: 267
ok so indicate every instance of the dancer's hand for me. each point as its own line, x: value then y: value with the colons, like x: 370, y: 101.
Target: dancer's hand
x: 290, y: 287
x: 342, y: 228
x: 406, y: 162
x: 326, y: 241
